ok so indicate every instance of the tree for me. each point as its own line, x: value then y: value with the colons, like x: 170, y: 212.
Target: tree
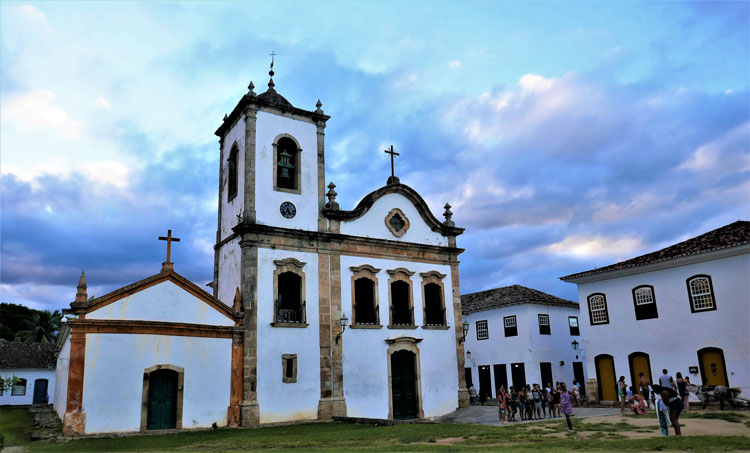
x: 41, y: 327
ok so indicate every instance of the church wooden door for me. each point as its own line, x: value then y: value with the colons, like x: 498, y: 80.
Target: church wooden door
x: 712, y: 367
x: 403, y: 385
x: 605, y: 374
x: 162, y: 399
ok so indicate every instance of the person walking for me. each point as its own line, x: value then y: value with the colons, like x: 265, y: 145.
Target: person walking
x: 501, y: 404
x: 665, y: 380
x: 682, y: 390
x: 675, y: 405
x: 473, y: 395
x: 621, y: 393
x: 644, y: 383
x: 565, y: 406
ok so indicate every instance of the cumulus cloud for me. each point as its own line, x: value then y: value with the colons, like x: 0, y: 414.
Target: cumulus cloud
x: 36, y: 110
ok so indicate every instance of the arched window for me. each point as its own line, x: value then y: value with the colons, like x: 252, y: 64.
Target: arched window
x: 232, y: 173
x: 701, y: 293
x: 19, y: 387
x: 644, y: 302
x: 402, y: 309
x: 432, y: 296
x: 289, y: 289
x: 598, y: 313
x: 365, y: 306
x: 286, y: 164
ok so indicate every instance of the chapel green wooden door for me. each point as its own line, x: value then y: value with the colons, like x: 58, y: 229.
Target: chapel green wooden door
x: 162, y: 399
x: 403, y: 385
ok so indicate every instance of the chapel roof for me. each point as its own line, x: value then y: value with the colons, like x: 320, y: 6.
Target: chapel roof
x: 24, y: 356
x: 510, y: 295
x: 732, y: 235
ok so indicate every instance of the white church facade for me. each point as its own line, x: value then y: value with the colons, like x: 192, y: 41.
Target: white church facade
x: 685, y: 308
x: 521, y: 336
x: 334, y: 312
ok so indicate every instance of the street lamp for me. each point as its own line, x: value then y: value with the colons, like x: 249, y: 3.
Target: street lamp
x: 575, y: 345
x: 466, y: 330
x: 344, y: 321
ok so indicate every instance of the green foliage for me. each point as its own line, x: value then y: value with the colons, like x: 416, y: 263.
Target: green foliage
x: 731, y: 417
x: 7, y: 382
x: 20, y: 323
x: 15, y: 426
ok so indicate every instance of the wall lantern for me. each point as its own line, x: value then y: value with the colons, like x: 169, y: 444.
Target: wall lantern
x: 468, y: 354
x: 466, y: 330
x: 344, y: 321
x: 575, y: 345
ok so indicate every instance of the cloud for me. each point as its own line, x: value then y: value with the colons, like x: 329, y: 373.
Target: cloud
x: 454, y: 64
x: 596, y: 246
x: 35, y: 110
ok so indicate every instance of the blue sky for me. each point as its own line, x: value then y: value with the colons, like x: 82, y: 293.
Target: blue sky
x: 565, y: 135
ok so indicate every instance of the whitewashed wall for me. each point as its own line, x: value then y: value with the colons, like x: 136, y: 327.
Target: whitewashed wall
x: 528, y: 347
x: 267, y: 201
x: 61, y: 379
x: 231, y: 209
x: 372, y: 224
x: 230, y: 261
x: 7, y: 398
x: 113, y: 378
x: 673, y: 339
x: 280, y: 401
x: 366, y: 352
x: 162, y: 302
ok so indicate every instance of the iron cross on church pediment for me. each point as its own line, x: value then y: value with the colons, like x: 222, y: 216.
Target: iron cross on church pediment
x: 169, y: 239
x: 393, y: 179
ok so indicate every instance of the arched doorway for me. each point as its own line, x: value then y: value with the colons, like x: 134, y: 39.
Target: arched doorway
x: 713, y: 368
x: 403, y: 385
x: 40, y: 391
x: 162, y: 399
x: 639, y: 363
x: 605, y: 376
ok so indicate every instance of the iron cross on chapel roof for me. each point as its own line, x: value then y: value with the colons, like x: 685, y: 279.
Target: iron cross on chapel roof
x: 169, y: 240
x: 393, y: 179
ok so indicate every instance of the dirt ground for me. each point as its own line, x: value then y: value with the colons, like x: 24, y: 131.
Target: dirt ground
x: 690, y: 426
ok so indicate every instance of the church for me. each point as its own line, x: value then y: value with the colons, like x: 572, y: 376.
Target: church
x: 316, y: 311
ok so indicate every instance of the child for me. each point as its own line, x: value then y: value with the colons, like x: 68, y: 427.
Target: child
x: 662, y: 413
x: 565, y: 406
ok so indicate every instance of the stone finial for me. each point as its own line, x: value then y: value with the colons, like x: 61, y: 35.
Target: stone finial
x: 81, y: 295
x: 271, y: 84
x: 167, y: 267
x: 226, y: 117
x: 319, y: 110
x: 237, y: 300
x: 332, y: 204
x: 250, y: 88
x: 448, y: 215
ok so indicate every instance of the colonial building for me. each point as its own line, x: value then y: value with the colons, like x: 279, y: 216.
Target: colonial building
x: 336, y: 312
x: 685, y: 308
x: 301, y: 263
x: 33, y: 364
x: 521, y: 336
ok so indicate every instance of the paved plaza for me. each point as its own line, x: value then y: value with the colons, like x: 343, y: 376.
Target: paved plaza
x: 487, y: 415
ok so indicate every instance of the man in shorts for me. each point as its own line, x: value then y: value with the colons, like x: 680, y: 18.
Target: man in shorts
x: 644, y: 383
x: 537, y: 395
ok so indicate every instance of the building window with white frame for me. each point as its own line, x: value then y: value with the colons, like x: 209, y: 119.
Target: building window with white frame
x: 598, y: 309
x: 511, y: 326
x: 701, y: 292
x: 482, y: 331
x: 544, y: 324
x: 644, y: 302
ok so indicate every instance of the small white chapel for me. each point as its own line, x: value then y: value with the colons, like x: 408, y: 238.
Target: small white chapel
x: 316, y: 311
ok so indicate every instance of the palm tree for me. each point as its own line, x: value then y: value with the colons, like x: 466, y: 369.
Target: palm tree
x: 42, y: 327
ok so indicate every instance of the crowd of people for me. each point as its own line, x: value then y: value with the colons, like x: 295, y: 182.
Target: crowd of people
x: 669, y: 397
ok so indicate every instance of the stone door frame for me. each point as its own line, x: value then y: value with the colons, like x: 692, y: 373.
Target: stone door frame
x: 405, y: 344
x: 179, y: 397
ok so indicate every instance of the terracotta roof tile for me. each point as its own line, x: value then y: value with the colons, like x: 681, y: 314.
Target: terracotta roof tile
x: 23, y: 356
x: 732, y: 235
x: 510, y: 295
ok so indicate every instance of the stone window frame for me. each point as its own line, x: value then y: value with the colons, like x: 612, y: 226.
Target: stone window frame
x: 400, y: 274
x: 603, y: 310
x: 179, y: 397
x: 294, y: 266
x: 297, y: 171
x: 692, y: 295
x: 436, y: 278
x: 407, y: 344
x: 400, y: 233
x: 369, y: 272
x: 285, y: 358
x: 233, y: 174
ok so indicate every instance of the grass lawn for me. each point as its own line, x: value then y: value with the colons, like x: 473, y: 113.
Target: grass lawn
x: 547, y: 435
x: 15, y: 426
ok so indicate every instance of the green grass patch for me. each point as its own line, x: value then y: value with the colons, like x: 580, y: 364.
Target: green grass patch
x: 330, y: 437
x: 732, y: 417
x: 15, y: 426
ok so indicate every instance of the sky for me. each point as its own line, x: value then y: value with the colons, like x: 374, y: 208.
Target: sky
x: 566, y: 135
